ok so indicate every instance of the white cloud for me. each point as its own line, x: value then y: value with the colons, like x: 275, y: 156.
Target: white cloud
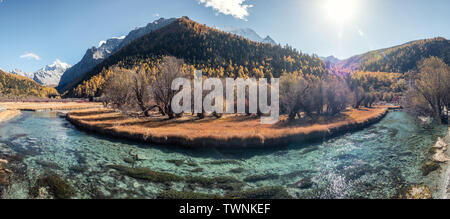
x: 30, y: 56
x: 236, y: 8
x: 156, y: 15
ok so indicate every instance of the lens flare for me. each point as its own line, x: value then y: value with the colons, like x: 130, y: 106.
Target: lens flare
x: 340, y: 11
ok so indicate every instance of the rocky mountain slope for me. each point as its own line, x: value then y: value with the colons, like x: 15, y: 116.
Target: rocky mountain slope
x: 49, y: 75
x: 96, y: 55
x: 216, y: 52
x: 249, y: 34
x: 18, y: 86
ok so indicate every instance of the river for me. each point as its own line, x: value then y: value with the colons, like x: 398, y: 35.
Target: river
x: 372, y: 163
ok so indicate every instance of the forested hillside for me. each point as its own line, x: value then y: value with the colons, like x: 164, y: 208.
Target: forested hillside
x: 215, y: 52
x: 401, y: 58
x: 20, y: 86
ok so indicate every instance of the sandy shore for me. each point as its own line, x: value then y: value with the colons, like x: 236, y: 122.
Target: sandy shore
x: 439, y: 180
x: 43, y: 106
x: 446, y: 169
x: 237, y: 131
x: 8, y: 114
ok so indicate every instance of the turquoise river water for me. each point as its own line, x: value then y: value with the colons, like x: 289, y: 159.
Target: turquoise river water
x: 372, y: 163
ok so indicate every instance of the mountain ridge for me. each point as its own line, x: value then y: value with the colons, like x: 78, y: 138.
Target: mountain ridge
x: 95, y: 55
x: 48, y: 75
x: 249, y: 34
x: 17, y: 85
x: 399, y: 59
x: 216, y: 52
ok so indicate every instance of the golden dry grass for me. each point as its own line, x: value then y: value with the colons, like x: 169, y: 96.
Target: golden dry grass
x: 233, y: 129
x: 8, y: 114
x: 35, y: 106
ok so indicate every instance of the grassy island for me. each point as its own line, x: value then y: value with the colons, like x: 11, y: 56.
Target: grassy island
x: 228, y: 131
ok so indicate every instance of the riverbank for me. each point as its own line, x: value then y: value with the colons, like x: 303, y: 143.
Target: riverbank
x: 227, y: 132
x: 438, y: 168
x: 446, y: 187
x: 444, y: 175
x: 8, y: 114
x: 49, y: 106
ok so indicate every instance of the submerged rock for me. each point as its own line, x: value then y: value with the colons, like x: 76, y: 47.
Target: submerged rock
x: 393, y: 132
x: 269, y: 192
x: 48, y: 164
x: 429, y: 167
x: 237, y: 170
x: 147, y: 174
x: 305, y: 183
x: 4, y: 177
x: 220, y: 162
x: 43, y: 193
x: 309, y: 149
x: 57, y: 186
x: 4, y: 172
x: 440, y: 148
x: 197, y: 170
x: 416, y: 192
x: 176, y: 162
x: 136, y: 156
x: 223, y: 182
x: 79, y: 169
x: 3, y: 162
x: 256, y: 178
x: 141, y: 157
x: 172, y: 194
x: 129, y: 160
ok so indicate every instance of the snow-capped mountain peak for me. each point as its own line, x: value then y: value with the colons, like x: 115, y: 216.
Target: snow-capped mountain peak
x: 49, y: 75
x: 22, y: 73
x: 106, y: 48
x: 59, y: 64
x: 101, y: 43
x: 249, y: 34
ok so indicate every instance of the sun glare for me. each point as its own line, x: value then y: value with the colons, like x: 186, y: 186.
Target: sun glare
x: 340, y: 11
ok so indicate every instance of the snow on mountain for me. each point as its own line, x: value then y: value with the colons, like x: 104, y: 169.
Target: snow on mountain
x: 249, y: 34
x: 106, y: 48
x: 139, y: 32
x: 22, y: 73
x: 96, y: 55
x: 49, y: 75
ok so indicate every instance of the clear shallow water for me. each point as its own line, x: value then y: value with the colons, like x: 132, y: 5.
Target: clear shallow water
x: 372, y: 163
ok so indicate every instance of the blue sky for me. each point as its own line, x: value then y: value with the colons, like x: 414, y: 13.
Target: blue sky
x: 35, y: 33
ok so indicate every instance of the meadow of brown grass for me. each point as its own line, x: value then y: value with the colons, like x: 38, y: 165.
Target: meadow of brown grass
x: 229, y: 131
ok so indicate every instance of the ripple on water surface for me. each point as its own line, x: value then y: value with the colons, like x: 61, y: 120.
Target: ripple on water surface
x: 372, y: 163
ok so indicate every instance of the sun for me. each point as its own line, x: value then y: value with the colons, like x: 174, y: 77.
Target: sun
x: 340, y: 11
